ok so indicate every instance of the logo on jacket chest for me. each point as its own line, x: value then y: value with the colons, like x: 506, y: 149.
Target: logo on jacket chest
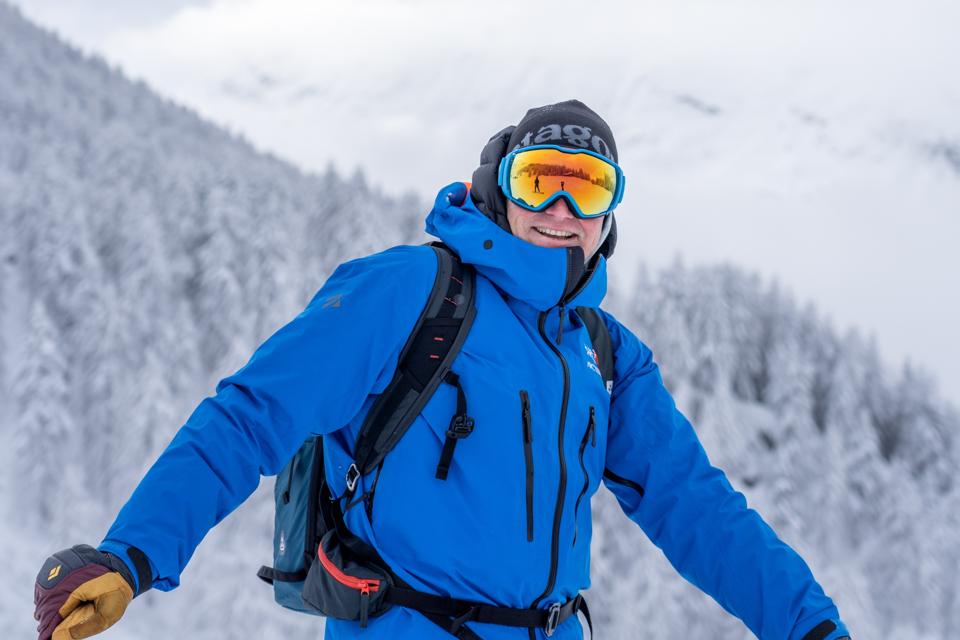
x: 593, y: 363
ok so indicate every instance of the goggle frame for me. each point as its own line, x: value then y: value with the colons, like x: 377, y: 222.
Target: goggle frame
x: 503, y: 181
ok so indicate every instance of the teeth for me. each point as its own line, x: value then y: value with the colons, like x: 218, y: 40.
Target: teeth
x: 554, y: 232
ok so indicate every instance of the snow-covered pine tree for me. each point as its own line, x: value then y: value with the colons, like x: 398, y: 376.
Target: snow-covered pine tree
x: 48, y: 489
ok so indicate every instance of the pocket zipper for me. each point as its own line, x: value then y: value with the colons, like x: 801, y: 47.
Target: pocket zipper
x: 591, y: 435
x: 528, y: 458
x: 364, y: 586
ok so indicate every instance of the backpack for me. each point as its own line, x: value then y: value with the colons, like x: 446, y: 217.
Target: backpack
x: 319, y: 566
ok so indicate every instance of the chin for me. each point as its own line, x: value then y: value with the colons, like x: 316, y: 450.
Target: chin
x: 557, y: 245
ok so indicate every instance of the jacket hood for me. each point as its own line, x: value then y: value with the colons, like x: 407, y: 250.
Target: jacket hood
x: 539, y: 276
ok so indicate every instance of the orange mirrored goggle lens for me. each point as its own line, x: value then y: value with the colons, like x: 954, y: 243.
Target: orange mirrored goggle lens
x: 537, y: 174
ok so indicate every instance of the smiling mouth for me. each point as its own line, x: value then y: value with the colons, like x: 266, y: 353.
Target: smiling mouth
x: 554, y: 233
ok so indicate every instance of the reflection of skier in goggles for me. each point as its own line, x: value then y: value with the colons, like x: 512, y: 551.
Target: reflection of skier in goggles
x: 596, y: 182
x: 500, y: 538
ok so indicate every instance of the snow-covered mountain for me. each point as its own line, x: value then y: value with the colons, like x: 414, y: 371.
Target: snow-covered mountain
x: 145, y: 253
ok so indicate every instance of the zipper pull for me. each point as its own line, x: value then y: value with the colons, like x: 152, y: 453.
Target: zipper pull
x: 592, y: 427
x: 364, y: 604
x: 560, y: 327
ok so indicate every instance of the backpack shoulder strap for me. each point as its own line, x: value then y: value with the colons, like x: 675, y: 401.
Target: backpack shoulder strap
x: 424, y: 361
x: 600, y: 337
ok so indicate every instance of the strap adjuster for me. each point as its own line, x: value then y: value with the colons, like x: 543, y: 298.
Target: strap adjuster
x: 353, y: 474
x: 461, y: 426
x: 553, y: 619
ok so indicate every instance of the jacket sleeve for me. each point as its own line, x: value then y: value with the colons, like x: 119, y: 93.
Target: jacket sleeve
x: 311, y: 376
x: 660, y: 474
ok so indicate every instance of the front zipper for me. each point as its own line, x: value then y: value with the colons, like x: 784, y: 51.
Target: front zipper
x: 562, y: 488
x: 364, y: 586
x: 558, y: 509
x: 528, y: 458
x: 560, y: 324
x: 589, y: 435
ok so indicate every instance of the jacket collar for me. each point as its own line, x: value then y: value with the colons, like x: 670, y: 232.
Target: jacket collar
x: 538, y: 276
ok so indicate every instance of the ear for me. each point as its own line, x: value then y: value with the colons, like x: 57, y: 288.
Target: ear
x: 485, y: 193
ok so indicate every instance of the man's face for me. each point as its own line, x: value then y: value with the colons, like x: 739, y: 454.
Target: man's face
x: 555, y: 226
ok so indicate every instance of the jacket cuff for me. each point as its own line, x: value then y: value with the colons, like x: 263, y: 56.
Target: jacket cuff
x: 830, y: 629
x: 140, y: 566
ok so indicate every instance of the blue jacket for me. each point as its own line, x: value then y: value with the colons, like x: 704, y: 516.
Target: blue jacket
x: 475, y: 536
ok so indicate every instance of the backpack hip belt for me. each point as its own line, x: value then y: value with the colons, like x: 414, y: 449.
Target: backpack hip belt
x: 454, y: 612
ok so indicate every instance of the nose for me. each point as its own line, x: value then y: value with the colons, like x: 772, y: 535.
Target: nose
x: 560, y: 209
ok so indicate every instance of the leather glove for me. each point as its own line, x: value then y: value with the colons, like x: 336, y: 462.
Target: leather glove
x: 80, y: 591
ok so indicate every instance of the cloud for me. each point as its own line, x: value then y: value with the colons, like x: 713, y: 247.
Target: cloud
x: 880, y: 51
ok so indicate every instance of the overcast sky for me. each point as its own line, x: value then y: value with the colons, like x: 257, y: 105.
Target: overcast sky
x: 817, y: 142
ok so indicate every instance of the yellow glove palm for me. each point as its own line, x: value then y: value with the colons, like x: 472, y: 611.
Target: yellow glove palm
x: 93, y: 606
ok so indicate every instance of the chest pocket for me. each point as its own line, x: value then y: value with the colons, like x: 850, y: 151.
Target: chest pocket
x: 590, y: 465
x: 596, y: 364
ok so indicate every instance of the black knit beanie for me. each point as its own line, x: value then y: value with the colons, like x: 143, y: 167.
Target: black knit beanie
x: 567, y: 124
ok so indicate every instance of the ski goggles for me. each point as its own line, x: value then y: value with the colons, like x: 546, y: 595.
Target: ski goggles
x: 535, y: 177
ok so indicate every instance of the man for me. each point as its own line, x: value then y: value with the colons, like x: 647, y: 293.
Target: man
x: 510, y: 524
